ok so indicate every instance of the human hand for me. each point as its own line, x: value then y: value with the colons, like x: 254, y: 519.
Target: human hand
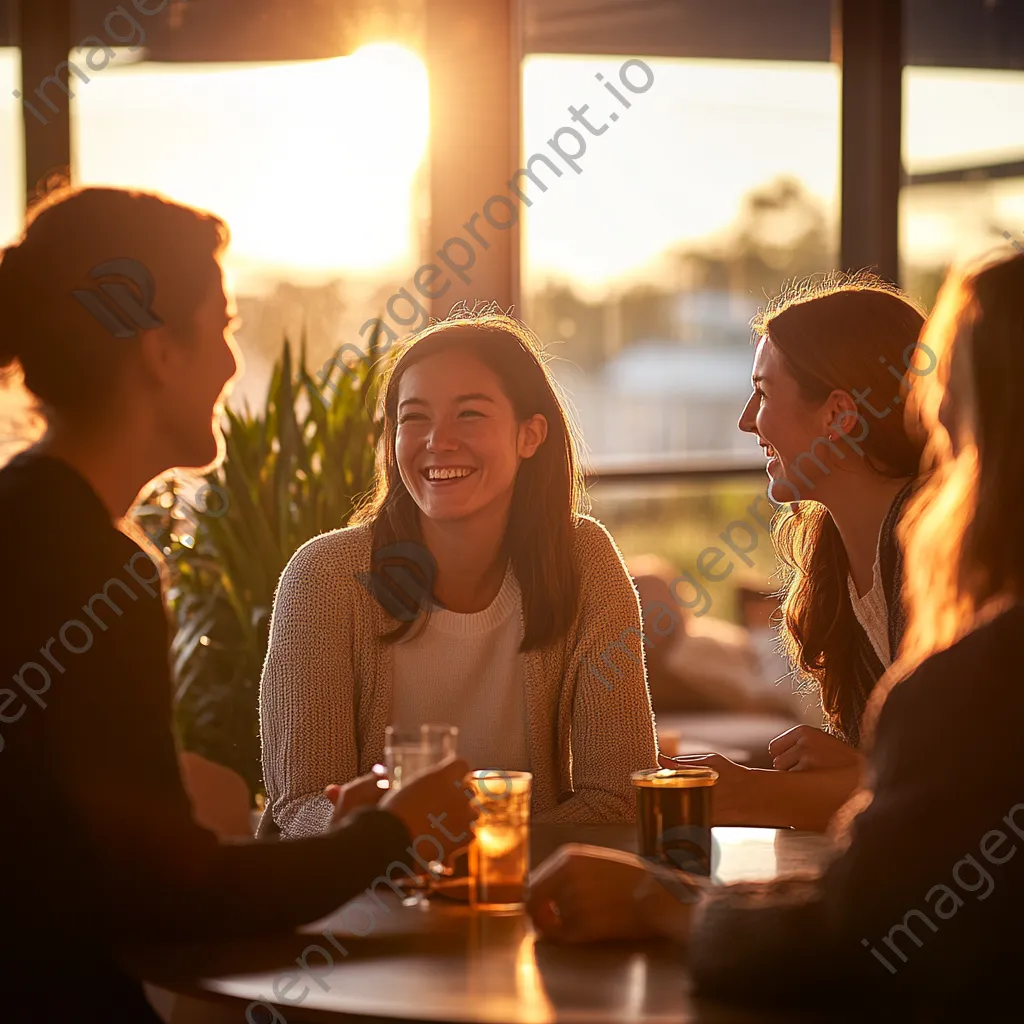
x: 365, y: 791
x: 804, y: 748
x: 436, y: 797
x: 733, y: 796
x: 589, y: 894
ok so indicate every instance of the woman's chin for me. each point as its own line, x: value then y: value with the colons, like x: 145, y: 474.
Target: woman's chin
x: 443, y: 511
x: 780, y: 488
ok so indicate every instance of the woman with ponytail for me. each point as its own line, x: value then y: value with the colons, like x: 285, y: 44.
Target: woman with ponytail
x: 114, y: 310
x: 834, y: 365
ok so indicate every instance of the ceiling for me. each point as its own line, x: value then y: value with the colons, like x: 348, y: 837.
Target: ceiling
x: 949, y: 33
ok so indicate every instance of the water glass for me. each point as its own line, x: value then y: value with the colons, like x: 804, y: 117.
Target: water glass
x: 407, y: 752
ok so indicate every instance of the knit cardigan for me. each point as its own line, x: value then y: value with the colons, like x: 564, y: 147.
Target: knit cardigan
x: 325, y: 694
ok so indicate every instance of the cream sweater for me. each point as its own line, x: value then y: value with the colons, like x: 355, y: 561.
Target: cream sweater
x: 325, y: 695
x: 466, y: 670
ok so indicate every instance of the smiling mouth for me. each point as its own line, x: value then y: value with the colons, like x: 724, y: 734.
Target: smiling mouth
x: 769, y: 451
x: 437, y: 474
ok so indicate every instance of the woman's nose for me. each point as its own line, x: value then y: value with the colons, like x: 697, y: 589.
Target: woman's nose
x: 748, y: 418
x: 441, y: 438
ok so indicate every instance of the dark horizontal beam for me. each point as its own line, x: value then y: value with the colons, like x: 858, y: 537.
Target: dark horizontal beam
x: 736, y: 29
x: 938, y: 33
x: 692, y: 468
x: 247, y: 30
x: 964, y: 33
x: 976, y: 172
x: 215, y: 31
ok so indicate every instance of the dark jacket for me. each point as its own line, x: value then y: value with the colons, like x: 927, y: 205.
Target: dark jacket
x: 99, y: 848
x: 890, y: 563
x: 926, y: 903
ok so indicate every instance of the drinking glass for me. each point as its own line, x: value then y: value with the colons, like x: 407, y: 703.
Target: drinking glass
x: 499, y: 856
x: 407, y: 752
x: 673, y: 816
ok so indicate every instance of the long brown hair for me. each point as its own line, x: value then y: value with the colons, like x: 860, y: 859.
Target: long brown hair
x: 841, y: 332
x: 964, y: 551
x: 548, y: 494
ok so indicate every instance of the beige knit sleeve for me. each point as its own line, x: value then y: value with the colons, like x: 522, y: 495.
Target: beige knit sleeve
x: 306, y: 692
x: 612, y: 731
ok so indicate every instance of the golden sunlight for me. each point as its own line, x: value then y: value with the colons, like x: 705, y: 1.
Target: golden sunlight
x: 312, y: 164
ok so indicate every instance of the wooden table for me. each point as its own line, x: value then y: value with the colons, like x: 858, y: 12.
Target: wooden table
x: 443, y: 963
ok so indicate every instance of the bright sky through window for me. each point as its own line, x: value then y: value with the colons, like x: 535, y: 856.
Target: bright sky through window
x: 316, y: 166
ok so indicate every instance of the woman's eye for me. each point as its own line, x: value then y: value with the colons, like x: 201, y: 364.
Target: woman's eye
x: 411, y: 417
x: 470, y: 412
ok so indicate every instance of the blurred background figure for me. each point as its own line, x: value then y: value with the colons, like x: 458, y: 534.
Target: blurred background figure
x: 706, y: 663
x: 716, y: 685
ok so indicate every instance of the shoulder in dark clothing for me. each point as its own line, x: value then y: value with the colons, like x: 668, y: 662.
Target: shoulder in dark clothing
x: 925, y: 902
x: 890, y: 563
x: 99, y: 833
x: 77, y: 591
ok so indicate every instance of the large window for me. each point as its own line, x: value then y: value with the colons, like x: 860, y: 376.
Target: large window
x: 317, y: 167
x: 715, y: 186
x: 321, y: 191
x: 718, y: 184
x: 712, y: 539
x: 963, y: 149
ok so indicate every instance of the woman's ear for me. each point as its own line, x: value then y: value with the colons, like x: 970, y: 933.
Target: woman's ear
x: 843, y: 414
x: 532, y: 433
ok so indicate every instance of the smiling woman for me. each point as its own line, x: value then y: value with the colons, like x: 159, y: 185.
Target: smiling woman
x: 825, y: 350
x: 477, y: 468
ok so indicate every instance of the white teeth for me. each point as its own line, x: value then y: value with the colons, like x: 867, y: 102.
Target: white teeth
x: 447, y: 474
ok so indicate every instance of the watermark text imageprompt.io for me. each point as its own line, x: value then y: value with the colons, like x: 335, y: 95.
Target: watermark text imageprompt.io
x: 500, y: 212
x: 122, y: 29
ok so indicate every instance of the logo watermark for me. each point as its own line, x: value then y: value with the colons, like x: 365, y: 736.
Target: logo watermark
x: 402, y: 580
x: 123, y: 309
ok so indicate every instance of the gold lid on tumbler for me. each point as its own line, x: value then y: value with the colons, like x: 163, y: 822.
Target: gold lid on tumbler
x: 674, y: 778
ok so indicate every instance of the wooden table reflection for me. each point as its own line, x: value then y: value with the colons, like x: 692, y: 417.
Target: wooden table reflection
x: 444, y: 963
